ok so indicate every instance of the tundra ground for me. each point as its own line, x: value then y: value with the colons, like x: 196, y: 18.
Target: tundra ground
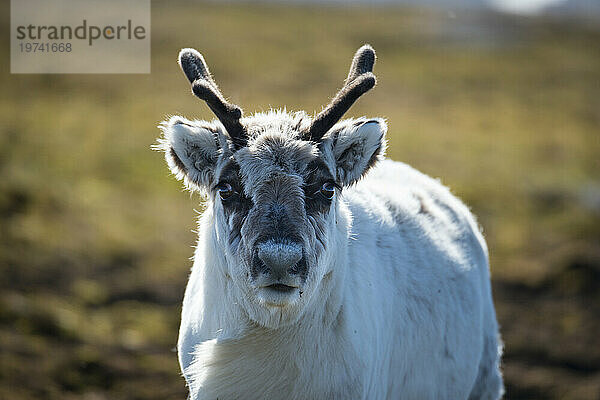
x: 95, y: 237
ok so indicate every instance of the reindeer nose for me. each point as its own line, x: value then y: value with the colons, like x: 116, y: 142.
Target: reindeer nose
x: 280, y: 257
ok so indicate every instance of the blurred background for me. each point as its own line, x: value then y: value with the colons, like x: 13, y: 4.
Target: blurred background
x: 499, y: 100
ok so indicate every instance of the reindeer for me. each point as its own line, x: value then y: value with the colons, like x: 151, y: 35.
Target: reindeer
x: 323, y: 271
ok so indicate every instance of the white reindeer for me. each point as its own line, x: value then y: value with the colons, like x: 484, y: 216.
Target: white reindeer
x: 321, y: 270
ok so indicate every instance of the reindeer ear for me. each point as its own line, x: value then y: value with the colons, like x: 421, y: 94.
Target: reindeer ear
x: 192, y: 149
x: 356, y: 146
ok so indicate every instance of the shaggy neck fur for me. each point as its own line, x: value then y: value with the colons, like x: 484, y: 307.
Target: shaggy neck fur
x: 248, y: 353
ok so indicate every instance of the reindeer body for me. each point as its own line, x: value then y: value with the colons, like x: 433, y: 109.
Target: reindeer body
x: 409, y: 316
x: 321, y: 273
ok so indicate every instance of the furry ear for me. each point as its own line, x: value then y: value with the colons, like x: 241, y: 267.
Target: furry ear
x: 356, y: 146
x: 192, y: 149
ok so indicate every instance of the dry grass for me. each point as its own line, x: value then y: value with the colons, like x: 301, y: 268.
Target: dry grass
x: 96, y: 235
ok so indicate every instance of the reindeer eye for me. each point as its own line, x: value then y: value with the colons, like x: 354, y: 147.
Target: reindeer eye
x: 328, y: 190
x: 225, y: 190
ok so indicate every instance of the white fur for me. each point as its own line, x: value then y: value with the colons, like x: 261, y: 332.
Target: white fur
x: 403, y: 311
x: 353, y: 142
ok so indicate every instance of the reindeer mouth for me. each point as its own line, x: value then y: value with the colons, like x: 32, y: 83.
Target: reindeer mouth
x: 279, y: 294
x: 281, y: 288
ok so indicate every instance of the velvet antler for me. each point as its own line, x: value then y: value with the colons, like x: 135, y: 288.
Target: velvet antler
x: 359, y: 81
x: 195, y: 69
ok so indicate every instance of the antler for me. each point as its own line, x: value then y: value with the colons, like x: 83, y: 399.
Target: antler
x: 359, y: 81
x: 195, y: 69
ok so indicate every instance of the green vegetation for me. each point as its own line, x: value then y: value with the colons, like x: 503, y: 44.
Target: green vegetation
x: 96, y: 236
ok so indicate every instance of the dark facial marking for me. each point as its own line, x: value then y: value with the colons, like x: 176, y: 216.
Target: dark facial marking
x: 318, y: 174
x: 279, y: 223
x: 316, y: 203
x: 237, y: 205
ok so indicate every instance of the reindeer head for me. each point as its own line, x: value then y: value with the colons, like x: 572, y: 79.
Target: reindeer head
x: 273, y: 183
